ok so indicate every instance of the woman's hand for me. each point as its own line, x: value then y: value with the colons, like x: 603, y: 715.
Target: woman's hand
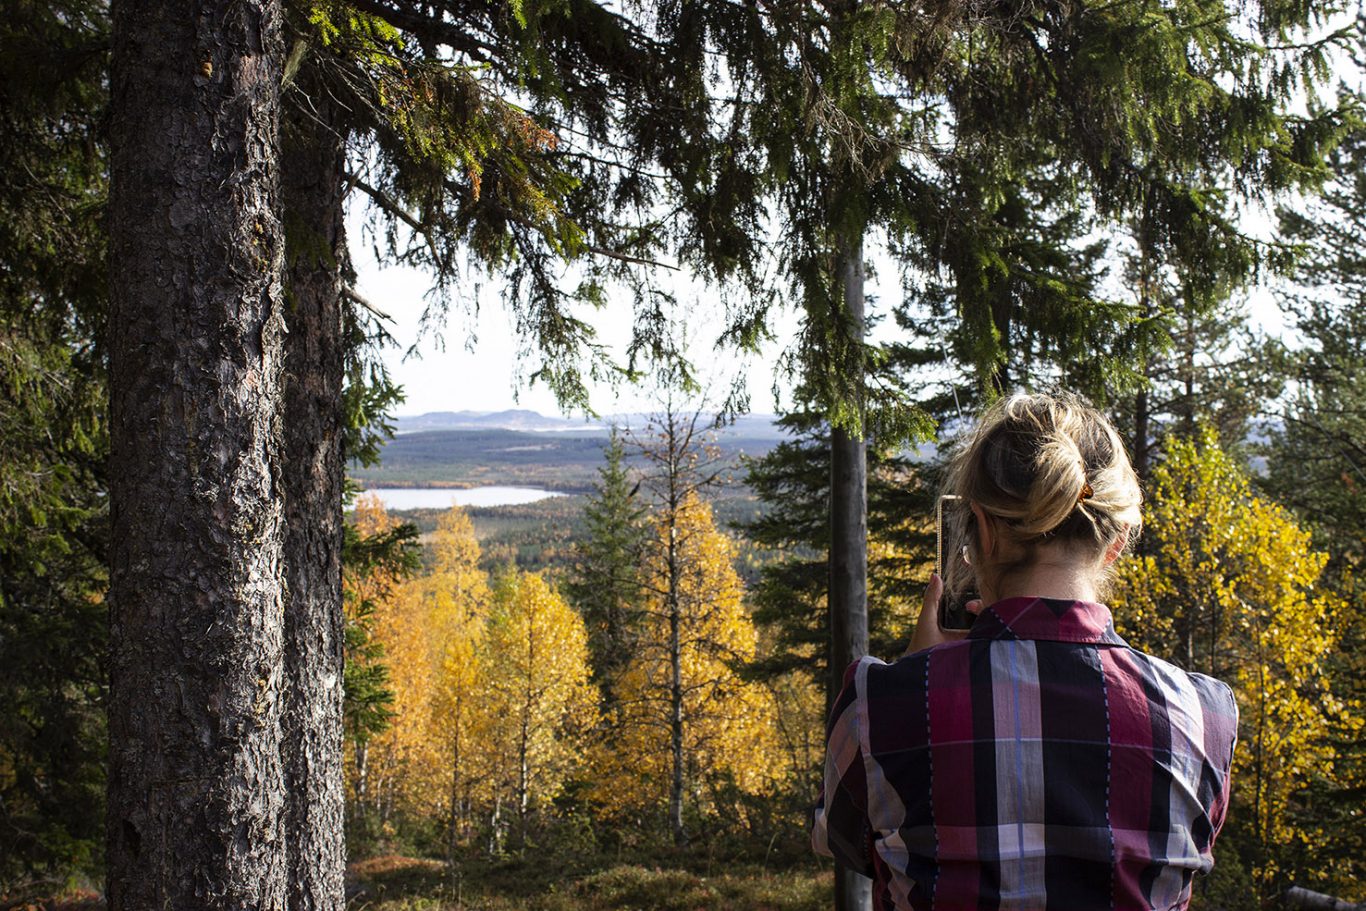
x: 928, y: 632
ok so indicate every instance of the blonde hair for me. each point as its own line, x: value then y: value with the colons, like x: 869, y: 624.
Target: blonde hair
x: 1052, y: 468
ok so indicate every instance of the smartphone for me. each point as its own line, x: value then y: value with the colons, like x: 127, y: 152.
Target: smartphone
x: 951, y: 514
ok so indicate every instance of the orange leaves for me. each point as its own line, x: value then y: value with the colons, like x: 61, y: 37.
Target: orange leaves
x: 430, y: 627
x: 538, y: 703
x: 495, y: 712
x: 727, y: 722
x: 491, y: 691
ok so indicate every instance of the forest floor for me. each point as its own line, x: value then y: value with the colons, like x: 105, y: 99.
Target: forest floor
x: 395, y: 883
x: 398, y: 883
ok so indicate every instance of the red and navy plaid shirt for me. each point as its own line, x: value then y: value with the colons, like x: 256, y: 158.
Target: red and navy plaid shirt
x: 1040, y: 763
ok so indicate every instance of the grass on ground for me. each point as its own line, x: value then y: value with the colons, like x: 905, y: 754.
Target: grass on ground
x: 395, y: 883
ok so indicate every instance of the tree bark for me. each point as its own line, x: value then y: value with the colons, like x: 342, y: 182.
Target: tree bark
x: 676, y: 721
x: 849, y: 553
x: 312, y: 176
x: 1141, y: 432
x: 196, y: 787
x: 1299, y: 897
x: 453, y: 837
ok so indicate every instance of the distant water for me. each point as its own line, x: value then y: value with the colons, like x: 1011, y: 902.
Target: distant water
x: 441, y: 498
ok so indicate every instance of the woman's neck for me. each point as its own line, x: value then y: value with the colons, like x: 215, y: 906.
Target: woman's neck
x: 1046, y: 580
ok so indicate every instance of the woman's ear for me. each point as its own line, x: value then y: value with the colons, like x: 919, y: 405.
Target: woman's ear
x: 1117, y: 546
x: 986, y: 531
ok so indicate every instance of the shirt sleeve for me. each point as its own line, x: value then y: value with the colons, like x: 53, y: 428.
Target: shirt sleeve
x: 842, y: 829
x: 1229, y: 729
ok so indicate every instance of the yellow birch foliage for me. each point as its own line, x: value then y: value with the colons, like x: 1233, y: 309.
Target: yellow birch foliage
x: 430, y: 629
x: 729, y: 726
x: 1225, y: 585
x: 538, y: 704
x: 459, y: 600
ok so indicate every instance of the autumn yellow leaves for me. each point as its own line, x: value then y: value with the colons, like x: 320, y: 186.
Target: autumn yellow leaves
x: 494, y: 713
x: 1226, y: 583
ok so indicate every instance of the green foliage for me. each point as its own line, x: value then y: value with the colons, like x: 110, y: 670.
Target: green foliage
x: 1316, y: 465
x: 1010, y: 299
x: 53, y: 516
x: 369, y: 394
x: 605, y: 581
x: 793, y: 482
x: 499, y: 138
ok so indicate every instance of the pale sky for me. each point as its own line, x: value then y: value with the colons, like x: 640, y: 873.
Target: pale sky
x: 483, y: 377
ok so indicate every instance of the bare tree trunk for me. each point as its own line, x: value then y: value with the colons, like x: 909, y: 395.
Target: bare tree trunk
x: 1141, y: 432
x: 453, y: 843
x: 674, y: 502
x: 675, y: 688
x: 682, y: 465
x: 524, y: 741
x: 1299, y: 897
x: 312, y: 185
x: 1143, y: 401
x: 196, y: 784
x: 849, y: 556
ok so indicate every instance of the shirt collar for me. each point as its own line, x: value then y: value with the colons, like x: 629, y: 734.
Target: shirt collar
x: 1046, y: 618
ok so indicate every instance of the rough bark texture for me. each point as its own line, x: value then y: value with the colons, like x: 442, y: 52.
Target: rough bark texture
x: 312, y: 184
x: 1141, y: 431
x: 195, y: 345
x: 849, y: 557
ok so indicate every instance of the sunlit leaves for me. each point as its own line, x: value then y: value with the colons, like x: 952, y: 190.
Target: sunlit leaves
x: 538, y: 706
x: 424, y: 626
x: 1227, y: 586
x: 727, y: 722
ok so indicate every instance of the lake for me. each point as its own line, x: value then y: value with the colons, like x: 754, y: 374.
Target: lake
x: 441, y: 498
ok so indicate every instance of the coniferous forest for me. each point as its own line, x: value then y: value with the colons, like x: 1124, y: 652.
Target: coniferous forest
x: 230, y: 679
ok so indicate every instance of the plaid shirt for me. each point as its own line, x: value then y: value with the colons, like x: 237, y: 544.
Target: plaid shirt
x: 1041, y: 763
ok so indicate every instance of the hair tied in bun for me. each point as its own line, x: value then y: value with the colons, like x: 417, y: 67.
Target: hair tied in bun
x: 1086, y: 492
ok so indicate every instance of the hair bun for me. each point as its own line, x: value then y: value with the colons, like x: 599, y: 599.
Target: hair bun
x: 1059, y: 484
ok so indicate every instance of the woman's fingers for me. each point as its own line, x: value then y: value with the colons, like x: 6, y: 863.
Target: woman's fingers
x: 928, y: 632
x: 929, y: 605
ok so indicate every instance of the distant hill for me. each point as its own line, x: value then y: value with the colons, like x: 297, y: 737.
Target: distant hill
x: 562, y: 461
x: 749, y: 426
x: 513, y: 419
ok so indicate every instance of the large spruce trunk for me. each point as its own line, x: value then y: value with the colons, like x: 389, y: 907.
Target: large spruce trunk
x: 196, y: 785
x: 312, y: 184
x: 849, y: 553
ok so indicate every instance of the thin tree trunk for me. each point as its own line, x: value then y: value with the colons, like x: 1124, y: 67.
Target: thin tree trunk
x: 849, y: 555
x: 1141, y: 418
x: 1142, y: 401
x: 676, y: 784
x: 312, y: 184
x: 1188, y: 368
x: 524, y: 743
x: 362, y: 775
x: 453, y: 843
x: 196, y: 785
